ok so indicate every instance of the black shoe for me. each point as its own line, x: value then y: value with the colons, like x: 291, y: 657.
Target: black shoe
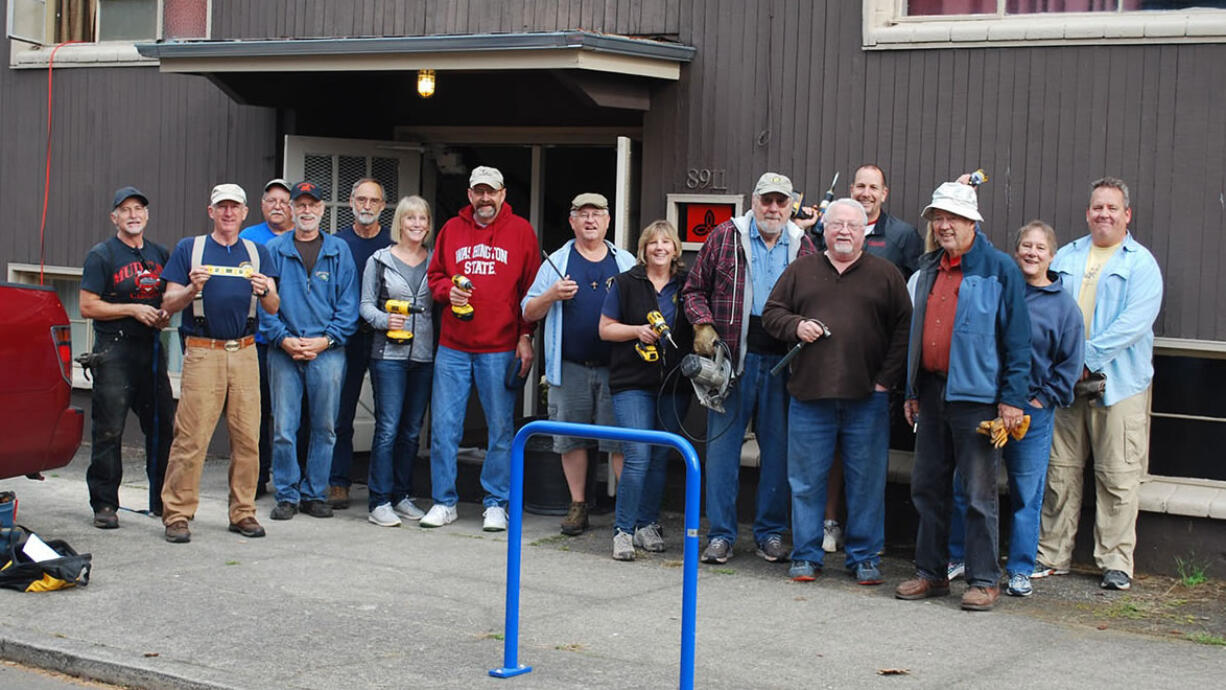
x: 105, y: 518
x: 319, y: 509
x: 284, y: 511
x: 261, y: 490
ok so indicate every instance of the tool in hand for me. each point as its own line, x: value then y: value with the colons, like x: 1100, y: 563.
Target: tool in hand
x: 977, y: 178
x: 464, y: 313
x: 552, y: 264
x: 650, y: 353
x: 783, y: 363
x: 404, y: 308
x: 798, y: 210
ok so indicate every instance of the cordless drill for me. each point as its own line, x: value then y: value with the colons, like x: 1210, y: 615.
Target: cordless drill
x: 464, y: 313
x: 404, y: 308
x: 650, y: 353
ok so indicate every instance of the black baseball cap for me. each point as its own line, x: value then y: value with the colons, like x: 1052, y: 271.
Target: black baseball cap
x: 306, y: 189
x: 124, y: 193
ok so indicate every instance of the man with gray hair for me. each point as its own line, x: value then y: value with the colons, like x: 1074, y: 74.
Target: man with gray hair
x: 1118, y: 286
x: 851, y: 311
x: 724, y: 295
x: 968, y: 361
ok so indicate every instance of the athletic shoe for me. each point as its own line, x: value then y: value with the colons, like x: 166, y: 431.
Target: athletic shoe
x: 772, y: 550
x: 384, y: 516
x: 1116, y: 579
x: 832, y: 536
x: 495, y: 519
x: 955, y: 570
x: 868, y: 574
x: 804, y: 571
x: 649, y: 538
x: 623, y: 546
x: 717, y: 551
x: 1044, y: 570
x: 405, y: 507
x: 1019, y: 586
x: 438, y: 516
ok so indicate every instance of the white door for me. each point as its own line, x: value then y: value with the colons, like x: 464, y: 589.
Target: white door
x: 335, y: 165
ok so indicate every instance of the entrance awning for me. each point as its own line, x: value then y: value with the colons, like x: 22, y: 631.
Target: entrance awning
x: 575, y: 50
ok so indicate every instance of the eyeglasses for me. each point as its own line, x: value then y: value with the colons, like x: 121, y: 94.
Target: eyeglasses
x: 588, y: 215
x: 367, y: 201
x: 842, y: 224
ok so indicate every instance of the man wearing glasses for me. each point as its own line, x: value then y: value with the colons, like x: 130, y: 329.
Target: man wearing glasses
x: 724, y: 297
x: 364, y: 238
x: 571, y: 292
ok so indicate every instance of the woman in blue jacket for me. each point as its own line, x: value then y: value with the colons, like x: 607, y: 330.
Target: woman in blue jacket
x: 1058, y: 342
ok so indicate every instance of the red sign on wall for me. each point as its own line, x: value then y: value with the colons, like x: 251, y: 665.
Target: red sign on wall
x: 699, y: 219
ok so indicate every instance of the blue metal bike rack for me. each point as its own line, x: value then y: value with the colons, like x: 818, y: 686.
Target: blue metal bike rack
x: 689, y: 590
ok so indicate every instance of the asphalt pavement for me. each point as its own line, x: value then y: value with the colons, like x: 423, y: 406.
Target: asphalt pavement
x: 327, y: 603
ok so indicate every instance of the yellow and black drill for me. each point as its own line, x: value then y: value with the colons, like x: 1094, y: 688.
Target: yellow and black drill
x: 651, y: 353
x: 464, y: 313
x: 404, y: 308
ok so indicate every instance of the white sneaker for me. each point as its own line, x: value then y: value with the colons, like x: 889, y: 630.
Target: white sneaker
x: 438, y: 516
x: 407, y: 508
x: 832, y: 536
x: 495, y: 519
x: 384, y: 516
x: 623, y: 546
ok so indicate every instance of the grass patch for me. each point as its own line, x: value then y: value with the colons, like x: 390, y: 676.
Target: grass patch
x: 1207, y: 638
x: 1126, y: 609
x: 231, y: 562
x: 544, y: 541
x: 491, y: 636
x: 1191, y: 571
x: 570, y: 647
x: 672, y: 564
x: 723, y: 571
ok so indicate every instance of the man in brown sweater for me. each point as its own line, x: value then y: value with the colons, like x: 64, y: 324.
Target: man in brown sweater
x: 852, y: 311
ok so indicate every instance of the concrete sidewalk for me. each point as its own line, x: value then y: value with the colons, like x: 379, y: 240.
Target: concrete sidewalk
x: 342, y: 603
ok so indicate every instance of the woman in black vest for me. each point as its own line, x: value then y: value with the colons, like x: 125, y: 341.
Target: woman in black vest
x: 647, y: 391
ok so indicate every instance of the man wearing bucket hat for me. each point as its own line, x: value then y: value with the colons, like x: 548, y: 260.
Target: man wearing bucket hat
x: 968, y: 361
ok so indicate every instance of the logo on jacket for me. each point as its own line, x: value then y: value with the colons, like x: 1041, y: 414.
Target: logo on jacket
x: 480, y: 259
x: 323, y: 275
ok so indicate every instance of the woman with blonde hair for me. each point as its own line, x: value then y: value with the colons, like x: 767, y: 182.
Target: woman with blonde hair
x: 648, y: 392
x: 401, y: 358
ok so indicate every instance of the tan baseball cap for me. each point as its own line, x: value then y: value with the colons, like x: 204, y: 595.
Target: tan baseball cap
x: 227, y: 192
x: 483, y: 174
x: 773, y: 183
x: 589, y: 199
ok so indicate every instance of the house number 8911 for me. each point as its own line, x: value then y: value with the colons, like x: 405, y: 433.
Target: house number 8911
x: 706, y: 178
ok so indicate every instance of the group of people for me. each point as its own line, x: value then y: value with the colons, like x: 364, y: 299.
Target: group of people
x: 833, y: 321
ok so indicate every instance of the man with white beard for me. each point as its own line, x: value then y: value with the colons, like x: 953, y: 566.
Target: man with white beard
x: 724, y: 296
x: 364, y: 237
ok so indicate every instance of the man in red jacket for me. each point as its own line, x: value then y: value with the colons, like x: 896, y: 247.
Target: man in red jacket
x: 497, y: 252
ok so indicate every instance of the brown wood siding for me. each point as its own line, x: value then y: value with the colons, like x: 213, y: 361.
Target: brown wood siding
x: 172, y: 136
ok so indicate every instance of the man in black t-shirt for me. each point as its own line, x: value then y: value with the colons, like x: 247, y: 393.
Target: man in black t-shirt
x: 121, y: 290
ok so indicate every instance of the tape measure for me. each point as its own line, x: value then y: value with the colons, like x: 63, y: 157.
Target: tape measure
x: 243, y: 270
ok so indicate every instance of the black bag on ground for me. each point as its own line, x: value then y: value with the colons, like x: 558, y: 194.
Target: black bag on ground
x: 23, y: 574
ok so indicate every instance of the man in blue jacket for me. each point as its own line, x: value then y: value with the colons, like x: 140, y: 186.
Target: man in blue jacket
x: 306, y: 353
x: 1118, y: 287
x: 968, y: 361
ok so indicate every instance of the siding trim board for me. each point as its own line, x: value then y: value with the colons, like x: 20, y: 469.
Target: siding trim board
x: 558, y: 49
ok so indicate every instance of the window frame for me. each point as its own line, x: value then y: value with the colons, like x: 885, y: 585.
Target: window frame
x: 887, y: 27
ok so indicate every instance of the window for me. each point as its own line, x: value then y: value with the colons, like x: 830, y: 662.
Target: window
x: 1187, y: 414
x: 909, y: 24
x: 108, y: 28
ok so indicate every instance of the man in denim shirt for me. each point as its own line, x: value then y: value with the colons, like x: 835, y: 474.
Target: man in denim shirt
x: 1118, y: 286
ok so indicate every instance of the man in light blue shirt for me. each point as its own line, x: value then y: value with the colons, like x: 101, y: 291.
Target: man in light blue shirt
x: 1118, y: 286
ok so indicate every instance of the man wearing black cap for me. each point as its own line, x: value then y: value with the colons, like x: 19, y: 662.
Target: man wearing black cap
x: 306, y: 354
x: 121, y: 290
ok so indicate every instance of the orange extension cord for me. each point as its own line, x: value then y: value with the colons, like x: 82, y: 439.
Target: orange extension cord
x: 42, y: 226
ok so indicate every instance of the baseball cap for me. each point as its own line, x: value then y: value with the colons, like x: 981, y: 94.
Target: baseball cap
x: 957, y: 198
x: 277, y: 182
x: 483, y: 174
x: 227, y: 192
x: 306, y: 189
x: 589, y: 199
x: 773, y: 183
x: 124, y: 193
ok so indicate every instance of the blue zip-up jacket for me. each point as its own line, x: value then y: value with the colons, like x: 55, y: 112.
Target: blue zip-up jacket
x: 1121, y: 337
x: 546, y: 277
x: 324, y: 303
x: 1057, y: 339
x: 989, y: 354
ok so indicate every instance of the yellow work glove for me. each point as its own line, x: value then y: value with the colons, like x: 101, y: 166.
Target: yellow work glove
x: 704, y: 339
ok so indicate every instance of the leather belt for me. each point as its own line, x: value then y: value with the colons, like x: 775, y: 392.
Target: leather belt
x: 227, y: 345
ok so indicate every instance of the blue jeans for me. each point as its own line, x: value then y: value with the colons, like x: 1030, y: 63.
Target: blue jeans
x: 288, y: 379
x: 947, y: 439
x: 402, y: 392
x: 1026, y: 464
x: 859, y: 430
x: 455, y: 372
x: 357, y: 360
x: 756, y: 390
x: 645, y: 470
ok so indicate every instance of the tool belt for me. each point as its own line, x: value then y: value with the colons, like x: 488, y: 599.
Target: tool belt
x: 214, y: 344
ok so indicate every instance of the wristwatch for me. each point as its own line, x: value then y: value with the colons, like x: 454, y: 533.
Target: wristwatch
x: 331, y: 342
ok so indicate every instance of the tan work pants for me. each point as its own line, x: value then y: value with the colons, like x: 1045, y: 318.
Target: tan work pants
x: 1118, y: 439
x: 211, y: 380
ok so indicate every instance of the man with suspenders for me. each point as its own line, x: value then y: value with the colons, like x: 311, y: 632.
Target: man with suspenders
x: 217, y: 280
